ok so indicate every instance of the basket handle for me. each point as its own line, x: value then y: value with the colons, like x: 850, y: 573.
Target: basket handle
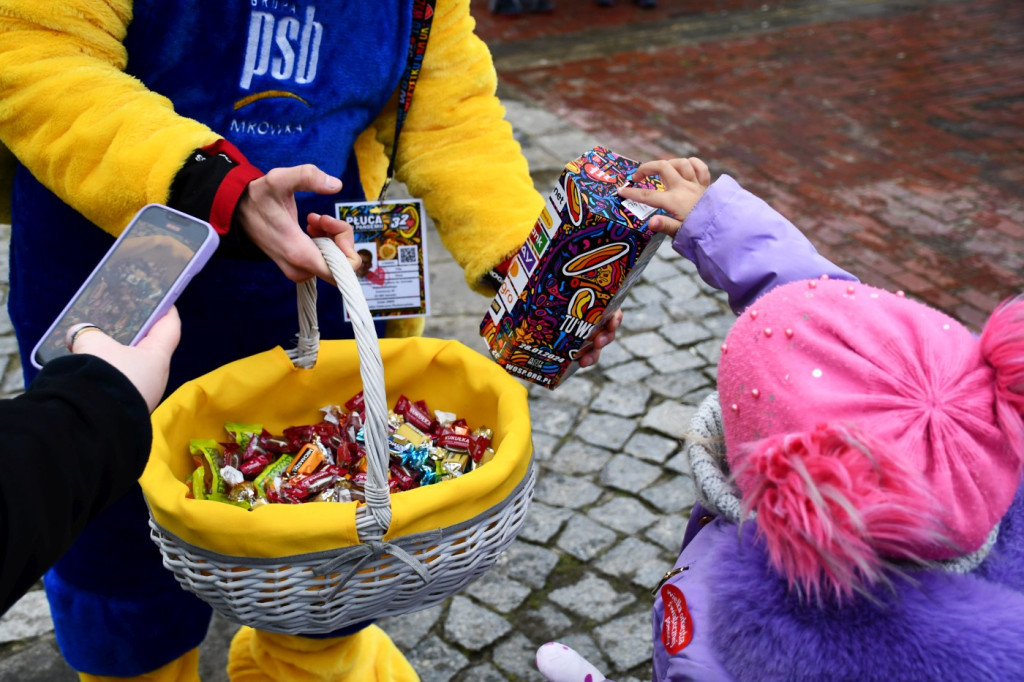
x: 373, y: 518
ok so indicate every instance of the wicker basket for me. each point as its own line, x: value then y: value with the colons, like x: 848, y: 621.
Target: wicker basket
x: 318, y: 567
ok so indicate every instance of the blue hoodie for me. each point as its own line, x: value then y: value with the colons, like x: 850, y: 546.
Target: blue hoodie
x: 287, y: 83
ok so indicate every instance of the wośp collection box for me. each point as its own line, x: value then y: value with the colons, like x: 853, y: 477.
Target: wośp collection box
x: 587, y: 248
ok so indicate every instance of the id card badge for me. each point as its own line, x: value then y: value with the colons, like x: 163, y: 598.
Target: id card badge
x: 391, y: 241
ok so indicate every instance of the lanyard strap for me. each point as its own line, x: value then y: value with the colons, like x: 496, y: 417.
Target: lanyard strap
x: 422, y: 15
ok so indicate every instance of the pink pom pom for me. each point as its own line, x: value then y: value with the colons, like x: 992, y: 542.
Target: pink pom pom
x: 1002, y: 345
x: 832, y: 506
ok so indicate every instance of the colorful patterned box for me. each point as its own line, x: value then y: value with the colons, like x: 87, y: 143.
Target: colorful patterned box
x: 586, y: 250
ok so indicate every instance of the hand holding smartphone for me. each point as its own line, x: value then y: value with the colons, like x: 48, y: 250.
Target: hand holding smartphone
x: 137, y: 281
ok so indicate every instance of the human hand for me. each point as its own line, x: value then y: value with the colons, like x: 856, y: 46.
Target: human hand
x: 269, y: 216
x: 146, y: 364
x: 338, y: 231
x: 685, y: 182
x: 605, y: 335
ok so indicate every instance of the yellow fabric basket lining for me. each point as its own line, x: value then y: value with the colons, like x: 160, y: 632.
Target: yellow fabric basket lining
x: 267, y: 388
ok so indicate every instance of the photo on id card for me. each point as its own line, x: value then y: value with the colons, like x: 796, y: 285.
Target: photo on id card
x: 391, y: 241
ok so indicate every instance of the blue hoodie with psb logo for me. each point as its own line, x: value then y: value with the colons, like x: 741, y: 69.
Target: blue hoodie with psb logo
x: 287, y: 83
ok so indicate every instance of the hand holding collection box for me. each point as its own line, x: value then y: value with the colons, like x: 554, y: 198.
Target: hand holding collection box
x: 584, y: 253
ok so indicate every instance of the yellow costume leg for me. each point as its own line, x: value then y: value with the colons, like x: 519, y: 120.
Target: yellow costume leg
x: 183, y: 669
x: 366, y: 656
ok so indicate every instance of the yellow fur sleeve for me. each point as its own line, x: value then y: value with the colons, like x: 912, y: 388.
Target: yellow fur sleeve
x: 457, y: 152
x: 98, y: 138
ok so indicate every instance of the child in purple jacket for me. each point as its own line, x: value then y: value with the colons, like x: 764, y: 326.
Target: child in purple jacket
x: 860, y: 514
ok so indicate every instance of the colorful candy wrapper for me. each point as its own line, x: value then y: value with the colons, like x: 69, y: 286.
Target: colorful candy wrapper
x: 445, y: 418
x: 355, y: 403
x: 454, y: 441
x: 198, y: 484
x: 416, y: 415
x: 279, y: 466
x: 411, y: 434
x: 456, y: 463
x: 244, y: 492
x: 272, y: 444
x: 231, y: 476
x: 254, y: 466
x: 243, y: 433
x: 325, y: 461
x: 206, y: 454
x: 310, y: 457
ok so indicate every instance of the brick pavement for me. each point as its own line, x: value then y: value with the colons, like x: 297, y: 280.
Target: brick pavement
x: 888, y: 130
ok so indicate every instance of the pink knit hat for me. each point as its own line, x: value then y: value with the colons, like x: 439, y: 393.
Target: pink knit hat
x: 862, y: 426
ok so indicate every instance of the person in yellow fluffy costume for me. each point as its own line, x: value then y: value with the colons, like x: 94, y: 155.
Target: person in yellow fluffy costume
x: 256, y: 115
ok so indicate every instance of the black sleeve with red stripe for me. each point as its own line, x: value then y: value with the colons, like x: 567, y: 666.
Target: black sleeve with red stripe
x: 209, y: 186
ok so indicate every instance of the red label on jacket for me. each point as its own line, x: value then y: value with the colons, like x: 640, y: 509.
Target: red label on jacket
x: 676, y: 626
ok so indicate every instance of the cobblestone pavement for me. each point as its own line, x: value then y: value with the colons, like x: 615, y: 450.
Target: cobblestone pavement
x: 888, y: 130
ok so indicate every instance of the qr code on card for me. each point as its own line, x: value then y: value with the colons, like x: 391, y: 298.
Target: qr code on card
x: 408, y: 255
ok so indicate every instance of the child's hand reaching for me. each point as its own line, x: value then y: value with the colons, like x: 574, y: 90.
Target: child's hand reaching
x: 685, y: 182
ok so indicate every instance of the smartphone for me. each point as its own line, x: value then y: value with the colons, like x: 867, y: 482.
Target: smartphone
x: 137, y: 281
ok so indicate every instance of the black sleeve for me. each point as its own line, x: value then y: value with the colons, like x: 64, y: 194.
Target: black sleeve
x: 74, y: 442
x: 209, y: 186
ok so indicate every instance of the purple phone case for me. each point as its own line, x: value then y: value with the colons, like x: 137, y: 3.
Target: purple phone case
x: 195, y: 264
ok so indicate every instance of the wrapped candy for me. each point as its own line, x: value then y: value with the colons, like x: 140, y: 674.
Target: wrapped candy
x: 326, y: 461
x: 480, y: 443
x: 206, y: 455
x: 415, y: 414
x: 271, y: 472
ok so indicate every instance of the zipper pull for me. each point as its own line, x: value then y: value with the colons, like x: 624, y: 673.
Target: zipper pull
x: 675, y: 571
